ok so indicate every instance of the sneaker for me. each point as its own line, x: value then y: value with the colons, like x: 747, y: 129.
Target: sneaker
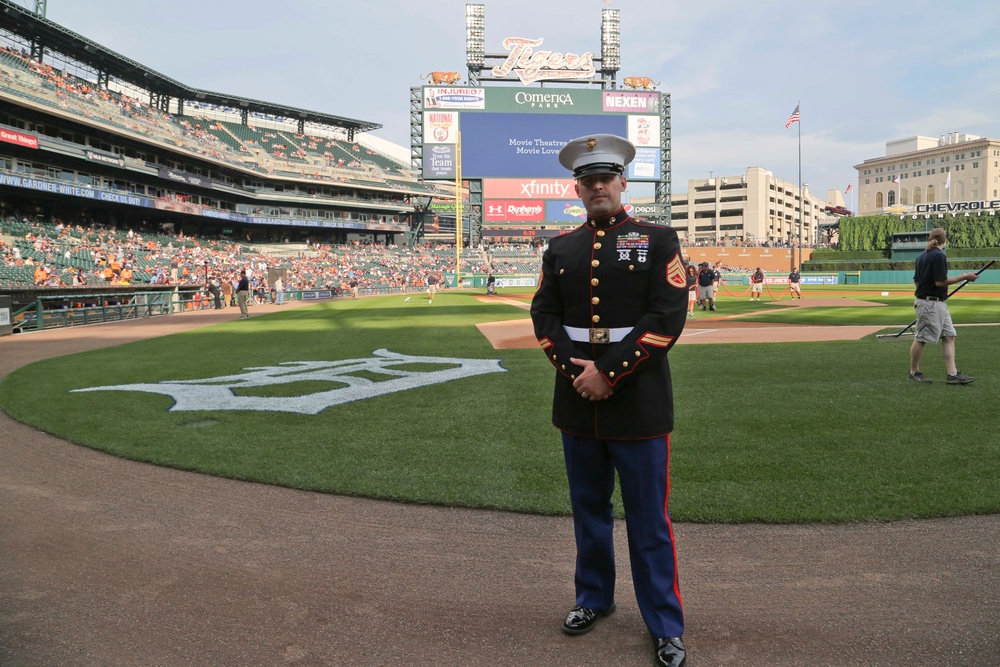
x: 712, y: 308
x: 690, y: 314
x: 920, y: 377
x: 960, y: 378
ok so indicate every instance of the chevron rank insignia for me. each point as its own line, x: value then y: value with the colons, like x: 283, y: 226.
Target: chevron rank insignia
x: 656, y: 340
x: 675, y: 273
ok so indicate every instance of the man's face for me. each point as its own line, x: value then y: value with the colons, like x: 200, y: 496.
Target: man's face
x: 601, y: 194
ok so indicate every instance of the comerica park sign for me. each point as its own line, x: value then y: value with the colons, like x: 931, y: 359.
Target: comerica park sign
x: 948, y: 207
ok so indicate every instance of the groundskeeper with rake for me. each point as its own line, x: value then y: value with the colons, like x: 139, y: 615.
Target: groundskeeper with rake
x: 933, y: 319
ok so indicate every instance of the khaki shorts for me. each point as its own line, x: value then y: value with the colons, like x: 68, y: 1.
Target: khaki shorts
x: 933, y: 321
x: 758, y: 288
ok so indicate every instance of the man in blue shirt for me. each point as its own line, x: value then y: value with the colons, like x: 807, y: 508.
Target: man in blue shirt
x: 933, y: 319
x: 243, y: 295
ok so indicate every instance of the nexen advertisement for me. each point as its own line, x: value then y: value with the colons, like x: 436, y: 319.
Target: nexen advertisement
x: 505, y: 145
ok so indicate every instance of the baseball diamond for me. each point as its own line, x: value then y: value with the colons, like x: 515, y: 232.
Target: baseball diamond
x: 278, y: 390
x: 182, y: 547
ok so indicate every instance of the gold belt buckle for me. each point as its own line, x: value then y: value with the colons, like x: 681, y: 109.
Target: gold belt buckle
x: 600, y: 335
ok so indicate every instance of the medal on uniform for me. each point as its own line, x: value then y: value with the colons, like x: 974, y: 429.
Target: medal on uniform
x: 626, y: 243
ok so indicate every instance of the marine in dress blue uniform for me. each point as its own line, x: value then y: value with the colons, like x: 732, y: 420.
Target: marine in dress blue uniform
x: 611, y: 302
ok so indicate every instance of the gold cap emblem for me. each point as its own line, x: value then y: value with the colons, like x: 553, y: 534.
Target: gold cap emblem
x: 591, y: 144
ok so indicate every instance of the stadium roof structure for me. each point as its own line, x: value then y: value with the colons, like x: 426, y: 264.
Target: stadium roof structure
x: 43, y: 33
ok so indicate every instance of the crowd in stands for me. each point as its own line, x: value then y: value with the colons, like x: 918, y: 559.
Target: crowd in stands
x: 52, y: 254
x: 266, y: 151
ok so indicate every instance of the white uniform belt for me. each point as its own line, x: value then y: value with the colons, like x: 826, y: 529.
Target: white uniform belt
x: 597, y: 334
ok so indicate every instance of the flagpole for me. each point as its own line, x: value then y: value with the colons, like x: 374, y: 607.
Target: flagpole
x: 799, y: 107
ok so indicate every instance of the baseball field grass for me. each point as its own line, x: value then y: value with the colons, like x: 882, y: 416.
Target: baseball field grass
x: 793, y: 432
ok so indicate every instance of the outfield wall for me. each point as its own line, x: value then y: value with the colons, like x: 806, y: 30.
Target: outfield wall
x: 779, y: 277
x: 991, y: 277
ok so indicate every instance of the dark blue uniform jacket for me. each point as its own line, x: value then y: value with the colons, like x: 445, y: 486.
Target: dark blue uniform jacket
x: 616, y: 273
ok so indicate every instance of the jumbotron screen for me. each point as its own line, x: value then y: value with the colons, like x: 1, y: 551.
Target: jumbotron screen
x: 511, y: 137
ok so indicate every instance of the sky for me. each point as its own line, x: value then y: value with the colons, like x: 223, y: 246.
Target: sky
x: 864, y: 72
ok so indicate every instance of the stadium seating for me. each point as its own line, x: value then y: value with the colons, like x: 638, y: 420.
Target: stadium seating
x: 219, y: 139
x: 378, y: 267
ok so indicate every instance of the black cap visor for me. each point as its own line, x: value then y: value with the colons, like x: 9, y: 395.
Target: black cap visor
x: 598, y: 168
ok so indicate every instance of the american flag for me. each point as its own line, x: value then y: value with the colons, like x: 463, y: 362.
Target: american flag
x: 895, y: 179
x: 947, y: 183
x: 849, y: 186
x: 794, y: 118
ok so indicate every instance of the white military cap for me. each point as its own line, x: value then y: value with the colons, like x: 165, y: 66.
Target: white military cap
x: 597, y: 154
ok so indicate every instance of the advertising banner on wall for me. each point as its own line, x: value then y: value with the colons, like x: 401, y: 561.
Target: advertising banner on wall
x: 646, y: 164
x: 185, y: 178
x: 644, y: 131
x: 179, y: 206
x: 454, y: 98
x: 533, y: 188
x: 500, y: 210
x: 106, y: 158
x: 440, y: 127
x: 621, y: 102
x: 820, y: 280
x: 439, y: 161
x: 19, y: 138
x: 565, y: 211
x: 83, y: 192
x: 642, y: 210
x: 516, y: 233
x: 6, y: 325
x: 543, y: 100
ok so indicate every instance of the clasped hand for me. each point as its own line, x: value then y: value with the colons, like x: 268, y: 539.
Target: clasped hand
x: 590, y: 384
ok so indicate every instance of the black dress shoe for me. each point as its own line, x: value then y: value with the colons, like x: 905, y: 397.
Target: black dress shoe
x: 581, y: 620
x: 670, y: 652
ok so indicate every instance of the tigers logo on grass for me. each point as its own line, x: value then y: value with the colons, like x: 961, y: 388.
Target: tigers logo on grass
x: 396, y: 372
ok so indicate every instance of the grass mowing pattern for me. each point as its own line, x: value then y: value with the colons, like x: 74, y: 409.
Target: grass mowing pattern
x: 765, y: 432
x: 973, y: 305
